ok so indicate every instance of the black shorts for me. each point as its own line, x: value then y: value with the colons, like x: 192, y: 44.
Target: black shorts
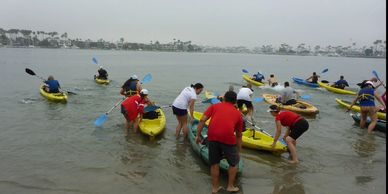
x: 248, y: 104
x: 179, y: 112
x: 299, y: 128
x: 218, y: 150
x: 124, y: 112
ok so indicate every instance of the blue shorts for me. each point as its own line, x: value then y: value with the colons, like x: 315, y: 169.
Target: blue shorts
x: 179, y: 112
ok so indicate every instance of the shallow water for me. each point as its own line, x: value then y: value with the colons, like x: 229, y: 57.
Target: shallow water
x: 55, y: 148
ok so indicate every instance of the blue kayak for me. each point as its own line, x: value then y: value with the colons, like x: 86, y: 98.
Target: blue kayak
x: 380, y: 126
x: 304, y: 82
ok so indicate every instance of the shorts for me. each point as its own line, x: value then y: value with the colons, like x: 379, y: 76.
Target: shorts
x: 248, y: 104
x: 299, y: 128
x: 217, y: 151
x: 179, y: 112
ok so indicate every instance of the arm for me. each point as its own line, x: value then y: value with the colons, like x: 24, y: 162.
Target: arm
x: 122, y: 92
x: 200, y: 126
x: 191, y: 107
x: 239, y: 140
x: 354, y: 102
x: 309, y: 78
x: 379, y: 99
x: 277, y: 134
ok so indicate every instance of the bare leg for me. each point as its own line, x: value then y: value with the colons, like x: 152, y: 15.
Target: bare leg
x: 184, y: 127
x: 232, y: 171
x: 136, y: 124
x: 363, y: 119
x: 215, y: 173
x: 291, y: 143
x: 372, y: 124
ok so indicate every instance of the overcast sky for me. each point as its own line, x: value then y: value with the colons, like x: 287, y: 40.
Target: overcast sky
x: 206, y: 22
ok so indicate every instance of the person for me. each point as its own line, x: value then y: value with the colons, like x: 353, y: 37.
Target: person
x: 314, y: 78
x: 366, y: 97
x: 131, y: 87
x: 244, y: 96
x: 376, y: 83
x: 133, y: 108
x: 288, y: 95
x: 341, y: 83
x: 184, y: 100
x: 102, y: 73
x: 258, y: 77
x: 224, y: 137
x: 295, y: 124
x: 52, y: 85
x: 272, y: 81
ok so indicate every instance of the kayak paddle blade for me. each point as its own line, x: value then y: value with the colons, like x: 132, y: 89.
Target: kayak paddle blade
x: 305, y: 97
x: 245, y: 71
x: 147, y: 78
x: 29, y: 71
x: 375, y: 74
x: 214, y: 101
x: 258, y: 99
x: 101, y: 120
x: 325, y: 70
x: 95, y: 60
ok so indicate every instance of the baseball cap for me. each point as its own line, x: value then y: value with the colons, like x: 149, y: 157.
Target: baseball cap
x: 273, y: 108
x: 144, y: 92
x: 134, y: 77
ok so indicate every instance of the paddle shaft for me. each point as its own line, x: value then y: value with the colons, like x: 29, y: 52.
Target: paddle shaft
x: 116, y: 104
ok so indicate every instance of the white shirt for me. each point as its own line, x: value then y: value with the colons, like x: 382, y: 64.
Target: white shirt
x: 244, y: 94
x: 182, y: 101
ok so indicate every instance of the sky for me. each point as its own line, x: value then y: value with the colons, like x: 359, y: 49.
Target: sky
x: 222, y: 23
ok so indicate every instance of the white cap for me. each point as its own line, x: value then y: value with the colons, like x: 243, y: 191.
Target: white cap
x: 369, y: 82
x: 144, y: 91
x: 134, y: 77
x: 100, y: 67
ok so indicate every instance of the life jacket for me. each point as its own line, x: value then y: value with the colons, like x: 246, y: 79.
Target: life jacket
x: 367, y: 97
x: 130, y: 87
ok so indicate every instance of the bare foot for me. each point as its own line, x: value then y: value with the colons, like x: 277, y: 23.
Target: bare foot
x: 233, y: 189
x: 214, y: 191
x: 293, y: 161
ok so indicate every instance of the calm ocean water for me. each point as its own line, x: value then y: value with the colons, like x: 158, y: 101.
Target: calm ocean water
x: 55, y: 148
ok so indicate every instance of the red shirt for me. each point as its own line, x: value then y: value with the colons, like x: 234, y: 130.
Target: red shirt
x: 287, y: 118
x: 133, y: 105
x: 225, y: 119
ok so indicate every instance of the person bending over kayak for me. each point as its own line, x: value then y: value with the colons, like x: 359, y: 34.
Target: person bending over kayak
x: 313, y: 79
x: 102, y: 73
x: 341, y: 83
x: 295, y: 124
x: 52, y: 85
x: 184, y: 100
x: 133, y: 109
x: 224, y: 136
x: 366, y: 97
x: 272, y: 81
x: 288, y: 95
x: 258, y: 77
x: 244, y: 96
x: 131, y: 87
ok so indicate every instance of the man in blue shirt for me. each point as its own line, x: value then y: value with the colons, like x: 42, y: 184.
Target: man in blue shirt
x: 341, y: 83
x: 258, y: 77
x: 52, y: 85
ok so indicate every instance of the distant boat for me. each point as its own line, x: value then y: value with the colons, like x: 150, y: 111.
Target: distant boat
x: 31, y: 46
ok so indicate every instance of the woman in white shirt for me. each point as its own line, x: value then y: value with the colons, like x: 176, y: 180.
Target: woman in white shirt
x: 244, y: 96
x: 185, y: 100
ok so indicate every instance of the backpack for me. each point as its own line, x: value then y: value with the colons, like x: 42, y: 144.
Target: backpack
x: 151, y: 115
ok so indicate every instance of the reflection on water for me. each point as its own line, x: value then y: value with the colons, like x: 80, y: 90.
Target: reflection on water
x: 288, y: 181
x: 365, y: 146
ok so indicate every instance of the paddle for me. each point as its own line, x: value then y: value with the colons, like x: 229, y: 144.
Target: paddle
x: 103, y: 117
x: 324, y: 71
x: 377, y: 76
x: 154, y: 107
x: 95, y: 60
x: 261, y: 130
x: 245, y: 71
x: 29, y: 71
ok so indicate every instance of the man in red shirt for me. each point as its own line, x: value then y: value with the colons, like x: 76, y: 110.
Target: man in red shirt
x: 295, y: 124
x: 133, y: 108
x: 225, y: 121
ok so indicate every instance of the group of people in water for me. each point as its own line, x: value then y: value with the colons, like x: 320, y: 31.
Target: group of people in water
x: 224, y: 135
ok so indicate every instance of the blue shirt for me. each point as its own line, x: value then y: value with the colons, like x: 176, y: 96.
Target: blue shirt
x: 342, y: 82
x: 53, y: 85
x: 258, y: 77
x: 367, y: 97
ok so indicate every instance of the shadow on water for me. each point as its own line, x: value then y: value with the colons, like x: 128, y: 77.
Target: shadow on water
x: 365, y: 146
x: 288, y: 181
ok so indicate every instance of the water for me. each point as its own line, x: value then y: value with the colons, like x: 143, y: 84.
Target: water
x: 54, y: 148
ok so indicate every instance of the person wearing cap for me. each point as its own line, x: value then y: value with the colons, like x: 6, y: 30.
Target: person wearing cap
x: 185, y: 100
x: 244, y: 96
x: 313, y: 79
x: 272, y: 81
x: 131, y: 87
x: 366, y: 98
x: 295, y: 124
x: 133, y: 108
x: 341, y: 83
x: 224, y: 136
x: 258, y: 77
x: 102, y: 73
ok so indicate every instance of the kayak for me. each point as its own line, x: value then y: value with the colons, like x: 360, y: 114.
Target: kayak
x: 101, y: 81
x: 253, y: 82
x: 253, y: 139
x: 209, y: 95
x: 202, y: 148
x: 304, y: 82
x: 153, y: 127
x: 335, y: 90
x: 300, y: 107
x: 380, y: 125
x: 55, y: 97
x: 356, y: 108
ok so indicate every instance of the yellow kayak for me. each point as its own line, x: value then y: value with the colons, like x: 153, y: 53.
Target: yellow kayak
x: 356, y: 108
x: 153, y: 127
x: 55, y: 97
x: 102, y: 81
x: 335, y: 90
x: 253, y: 82
x: 300, y: 107
x: 259, y: 141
